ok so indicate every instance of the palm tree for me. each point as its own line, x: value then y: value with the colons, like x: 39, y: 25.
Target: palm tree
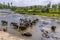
x: 8, y: 4
x: 4, y: 3
x: 11, y: 3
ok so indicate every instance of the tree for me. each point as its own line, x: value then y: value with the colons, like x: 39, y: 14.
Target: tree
x: 55, y: 8
x: 8, y: 5
x: 11, y: 3
x: 59, y: 7
x: 49, y: 4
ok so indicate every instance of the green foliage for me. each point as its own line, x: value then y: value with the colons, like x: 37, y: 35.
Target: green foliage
x: 47, y: 10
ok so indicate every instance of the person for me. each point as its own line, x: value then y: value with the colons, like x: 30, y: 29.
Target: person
x: 53, y: 28
x: 45, y: 34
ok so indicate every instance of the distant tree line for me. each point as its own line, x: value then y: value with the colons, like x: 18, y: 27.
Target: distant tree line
x: 36, y: 9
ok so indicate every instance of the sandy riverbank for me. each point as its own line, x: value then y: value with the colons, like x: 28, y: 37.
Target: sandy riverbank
x: 7, y: 36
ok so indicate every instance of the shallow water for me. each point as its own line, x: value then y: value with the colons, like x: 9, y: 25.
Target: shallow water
x: 35, y: 30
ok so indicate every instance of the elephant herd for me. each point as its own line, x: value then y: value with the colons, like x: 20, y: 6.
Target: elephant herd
x: 23, y: 24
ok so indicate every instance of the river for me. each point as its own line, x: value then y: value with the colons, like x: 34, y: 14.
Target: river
x: 35, y: 30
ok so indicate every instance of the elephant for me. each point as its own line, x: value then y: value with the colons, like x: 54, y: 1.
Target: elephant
x: 34, y: 21
x: 4, y: 23
x: 27, y: 34
x: 15, y: 25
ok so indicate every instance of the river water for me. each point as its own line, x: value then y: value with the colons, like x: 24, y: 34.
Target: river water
x: 36, y: 29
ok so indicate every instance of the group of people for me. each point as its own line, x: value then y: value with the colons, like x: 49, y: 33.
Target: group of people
x: 46, y: 35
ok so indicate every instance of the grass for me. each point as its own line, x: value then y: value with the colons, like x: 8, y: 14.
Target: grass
x: 49, y: 15
x: 46, y: 14
x: 43, y: 14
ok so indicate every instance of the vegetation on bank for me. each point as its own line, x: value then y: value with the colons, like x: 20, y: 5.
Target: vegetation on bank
x: 48, y: 10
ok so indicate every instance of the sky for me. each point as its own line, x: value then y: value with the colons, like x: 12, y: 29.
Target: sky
x: 30, y: 2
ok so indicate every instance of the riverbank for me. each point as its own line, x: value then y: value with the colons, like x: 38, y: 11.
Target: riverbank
x: 44, y: 14
x: 49, y: 15
x: 8, y: 36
